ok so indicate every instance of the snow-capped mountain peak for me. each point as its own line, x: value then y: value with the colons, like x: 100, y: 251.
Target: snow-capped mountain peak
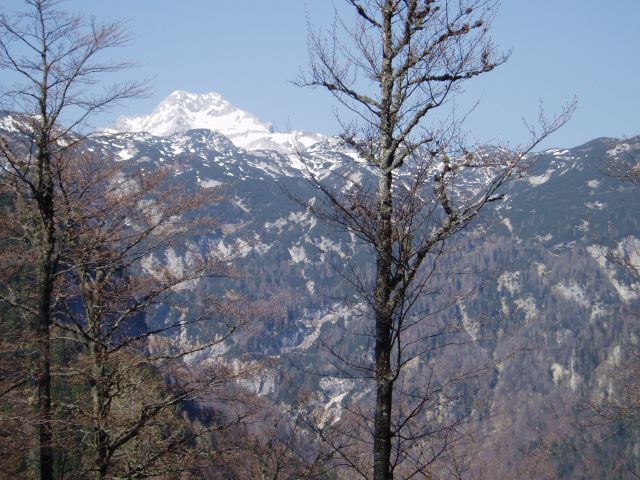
x: 182, y: 111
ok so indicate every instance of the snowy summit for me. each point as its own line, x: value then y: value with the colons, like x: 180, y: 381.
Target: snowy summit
x: 182, y: 111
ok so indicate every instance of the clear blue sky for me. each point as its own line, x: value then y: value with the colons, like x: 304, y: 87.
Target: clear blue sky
x: 249, y: 50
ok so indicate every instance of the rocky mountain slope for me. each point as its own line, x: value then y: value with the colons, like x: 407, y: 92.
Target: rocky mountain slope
x: 538, y: 286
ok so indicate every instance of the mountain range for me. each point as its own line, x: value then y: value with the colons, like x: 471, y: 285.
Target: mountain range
x: 542, y: 304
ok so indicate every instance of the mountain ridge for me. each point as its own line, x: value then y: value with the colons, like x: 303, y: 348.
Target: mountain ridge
x: 181, y: 111
x: 543, y: 252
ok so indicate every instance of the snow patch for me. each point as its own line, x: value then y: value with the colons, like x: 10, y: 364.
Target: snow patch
x: 615, y: 358
x: 528, y: 306
x: 558, y: 152
x: 626, y: 292
x: 127, y: 153
x: 584, y: 226
x: 297, y: 254
x: 507, y: 223
x: 335, y: 389
x: 618, y: 149
x: 558, y: 372
x: 238, y: 248
x: 540, y: 179
x: 325, y: 245
x: 209, y: 183
x: 504, y: 307
x: 573, y: 292
x: 311, y: 287
x: 544, y: 238
x: 278, y: 224
x: 315, y: 323
x: 509, y: 281
x: 260, y: 247
x: 541, y: 269
x: 471, y: 326
x: 239, y: 202
x: 597, y: 205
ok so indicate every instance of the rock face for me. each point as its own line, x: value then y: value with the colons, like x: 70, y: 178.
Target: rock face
x: 537, y: 284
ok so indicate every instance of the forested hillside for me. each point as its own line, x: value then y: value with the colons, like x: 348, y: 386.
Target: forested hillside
x: 192, y: 294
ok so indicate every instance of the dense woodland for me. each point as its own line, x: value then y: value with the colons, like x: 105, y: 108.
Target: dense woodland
x: 133, y: 346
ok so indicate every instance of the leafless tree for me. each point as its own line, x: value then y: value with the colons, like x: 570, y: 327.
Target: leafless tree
x: 277, y: 445
x: 116, y: 231
x: 397, y: 63
x: 122, y: 384
x: 54, y: 58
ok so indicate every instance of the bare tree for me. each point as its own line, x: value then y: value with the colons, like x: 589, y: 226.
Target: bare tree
x: 277, y: 445
x: 123, y: 386
x: 54, y: 58
x: 116, y: 231
x: 398, y: 62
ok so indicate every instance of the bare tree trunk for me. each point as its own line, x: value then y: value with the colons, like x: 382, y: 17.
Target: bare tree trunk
x: 101, y: 441
x: 383, y: 328
x: 383, y: 313
x: 46, y: 210
x: 44, y: 379
x: 384, y: 400
x: 99, y: 402
x: 46, y: 270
